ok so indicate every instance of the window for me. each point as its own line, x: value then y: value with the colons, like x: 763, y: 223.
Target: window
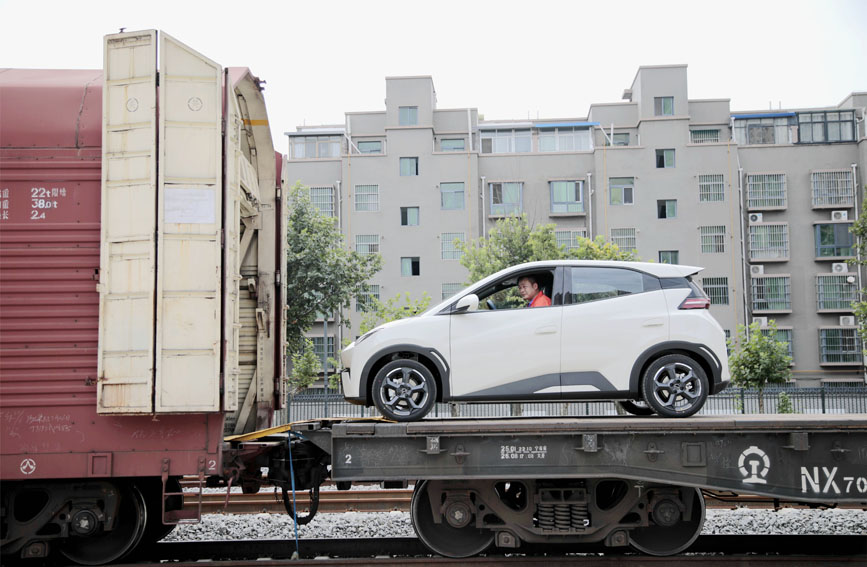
x: 410, y: 266
x: 669, y: 257
x: 664, y: 158
x: 506, y: 198
x: 663, y: 106
x: 369, y: 147
x: 619, y: 139
x: 451, y: 196
x: 833, y: 188
x: 367, y: 197
x: 770, y: 130
x: 666, y: 209
x: 711, y: 188
x: 840, y: 346
x: 319, y: 349
x: 570, y: 239
x: 506, y: 141
x: 717, y: 289
x: 407, y: 115
x: 833, y: 240
x: 566, y: 196
x: 713, y: 239
x: 620, y: 190
x: 782, y: 336
x: 836, y: 292
x: 593, y: 284
x: 315, y: 147
x: 772, y: 293
x: 624, y: 238
x: 408, y: 166
x: 564, y: 140
x: 449, y: 289
x: 452, y: 145
x: 366, y: 244
x: 409, y: 216
x: 363, y: 302
x: 323, y: 199
x: 766, y: 190
x: 448, y: 244
x: 834, y: 126
x: 704, y: 136
x: 769, y: 242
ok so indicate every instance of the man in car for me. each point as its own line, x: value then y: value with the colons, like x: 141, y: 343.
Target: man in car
x: 528, y: 287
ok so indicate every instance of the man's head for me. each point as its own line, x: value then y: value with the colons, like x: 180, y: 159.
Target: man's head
x: 528, y: 287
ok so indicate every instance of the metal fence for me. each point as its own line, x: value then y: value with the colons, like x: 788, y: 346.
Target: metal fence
x: 320, y: 403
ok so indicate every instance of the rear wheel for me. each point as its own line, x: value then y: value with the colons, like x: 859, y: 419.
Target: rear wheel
x: 404, y: 390
x: 670, y: 532
x: 675, y: 385
x: 455, y: 534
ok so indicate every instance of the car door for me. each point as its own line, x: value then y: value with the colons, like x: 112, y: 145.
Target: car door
x: 506, y: 353
x: 611, y: 316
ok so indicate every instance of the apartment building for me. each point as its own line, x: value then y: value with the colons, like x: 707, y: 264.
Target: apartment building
x: 761, y: 200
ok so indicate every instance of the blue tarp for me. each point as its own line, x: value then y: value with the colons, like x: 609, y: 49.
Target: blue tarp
x: 762, y: 115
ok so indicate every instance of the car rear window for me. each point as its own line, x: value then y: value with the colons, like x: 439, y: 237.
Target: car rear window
x: 594, y: 284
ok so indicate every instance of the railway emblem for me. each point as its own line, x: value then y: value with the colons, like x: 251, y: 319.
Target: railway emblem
x: 28, y: 466
x: 754, y: 465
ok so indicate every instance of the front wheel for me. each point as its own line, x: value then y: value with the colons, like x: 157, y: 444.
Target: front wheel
x: 404, y: 390
x: 675, y: 385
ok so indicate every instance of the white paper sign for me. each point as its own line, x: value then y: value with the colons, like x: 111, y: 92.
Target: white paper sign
x: 192, y: 206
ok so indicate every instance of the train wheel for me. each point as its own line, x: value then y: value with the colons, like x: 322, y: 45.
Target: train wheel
x: 455, y: 537
x: 107, y: 546
x: 671, y: 534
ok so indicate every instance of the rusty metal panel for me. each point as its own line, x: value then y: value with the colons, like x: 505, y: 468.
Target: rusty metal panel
x: 189, y: 263
x: 128, y: 254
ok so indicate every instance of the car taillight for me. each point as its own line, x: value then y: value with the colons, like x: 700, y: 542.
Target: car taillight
x: 695, y: 303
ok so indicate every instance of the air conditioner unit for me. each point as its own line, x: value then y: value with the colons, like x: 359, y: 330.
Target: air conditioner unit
x: 762, y: 321
x: 757, y: 270
x: 847, y: 321
x: 839, y: 267
x: 840, y: 215
x: 755, y: 218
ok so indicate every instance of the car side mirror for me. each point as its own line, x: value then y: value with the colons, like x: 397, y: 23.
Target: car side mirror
x: 467, y: 303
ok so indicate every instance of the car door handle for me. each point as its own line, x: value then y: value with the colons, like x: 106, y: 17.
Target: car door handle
x: 550, y: 330
x: 653, y: 323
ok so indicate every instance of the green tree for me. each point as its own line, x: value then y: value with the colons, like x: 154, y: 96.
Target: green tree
x: 859, y: 231
x: 398, y: 307
x: 784, y: 403
x: 322, y: 276
x: 758, y: 359
x: 305, y: 367
x: 513, y: 241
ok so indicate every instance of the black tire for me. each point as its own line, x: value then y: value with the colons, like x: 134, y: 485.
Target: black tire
x: 675, y: 385
x: 404, y: 390
x: 637, y: 407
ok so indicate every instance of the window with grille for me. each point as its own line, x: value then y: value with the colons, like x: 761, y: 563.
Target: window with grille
x: 711, y: 187
x: 451, y: 196
x: 409, y: 216
x: 319, y: 349
x: 833, y: 188
x: 840, y: 346
x: 835, y: 292
x: 666, y: 209
x: 669, y: 257
x: 408, y: 166
x: 717, y: 289
x: 819, y: 127
x: 407, y: 115
x: 410, y: 266
x: 766, y: 190
x: 449, y: 289
x: 364, y: 300
x: 781, y: 336
x: 772, y: 293
x: 663, y: 106
x: 450, y: 250
x: 708, y: 136
x: 769, y: 242
x: 664, y: 158
x: 621, y: 190
x: 624, y: 238
x: 367, y: 244
x: 506, y: 198
x: 323, y: 199
x: 506, y: 141
x: 566, y: 196
x: 713, y: 239
x: 833, y: 240
x: 367, y: 197
x: 570, y: 239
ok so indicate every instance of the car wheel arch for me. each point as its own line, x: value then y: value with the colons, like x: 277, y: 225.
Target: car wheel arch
x: 694, y: 351
x: 430, y: 357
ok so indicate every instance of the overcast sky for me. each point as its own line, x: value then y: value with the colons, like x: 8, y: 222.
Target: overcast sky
x: 510, y: 59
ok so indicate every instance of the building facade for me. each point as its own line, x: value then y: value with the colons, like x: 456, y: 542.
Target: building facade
x: 761, y: 200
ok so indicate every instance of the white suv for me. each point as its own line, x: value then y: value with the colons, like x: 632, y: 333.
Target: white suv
x: 634, y: 332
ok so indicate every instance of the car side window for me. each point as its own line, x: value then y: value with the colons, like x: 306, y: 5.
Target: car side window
x: 594, y: 284
x: 504, y: 294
